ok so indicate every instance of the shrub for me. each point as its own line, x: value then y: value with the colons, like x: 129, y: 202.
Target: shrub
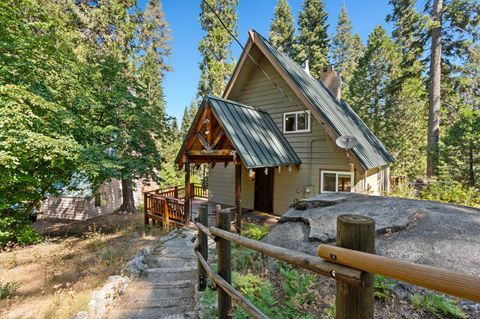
x: 298, y: 289
x: 15, y: 228
x: 437, y: 305
x: 453, y: 192
x: 403, y: 189
x: 244, y: 259
x: 254, y: 231
x: 7, y: 289
x: 382, y: 287
x: 259, y: 291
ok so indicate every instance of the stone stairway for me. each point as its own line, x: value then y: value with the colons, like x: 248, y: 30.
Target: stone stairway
x: 165, y: 287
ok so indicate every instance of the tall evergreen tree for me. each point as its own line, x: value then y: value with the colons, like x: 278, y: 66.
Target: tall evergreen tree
x: 313, y: 39
x: 188, y: 117
x: 282, y: 30
x: 153, y: 50
x: 217, y: 58
x: 346, y: 51
x: 385, y: 103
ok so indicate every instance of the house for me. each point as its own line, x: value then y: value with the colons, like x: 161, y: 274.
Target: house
x: 85, y: 203
x: 279, y: 126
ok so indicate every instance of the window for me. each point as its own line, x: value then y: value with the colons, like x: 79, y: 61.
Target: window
x: 336, y: 181
x: 296, y: 122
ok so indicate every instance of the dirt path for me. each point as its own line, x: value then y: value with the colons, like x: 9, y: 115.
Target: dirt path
x: 166, y: 286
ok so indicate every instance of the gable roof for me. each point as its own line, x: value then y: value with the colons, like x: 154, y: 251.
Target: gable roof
x: 257, y: 140
x: 338, y: 115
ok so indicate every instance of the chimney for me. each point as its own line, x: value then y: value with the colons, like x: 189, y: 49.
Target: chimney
x: 307, y: 67
x: 332, y: 80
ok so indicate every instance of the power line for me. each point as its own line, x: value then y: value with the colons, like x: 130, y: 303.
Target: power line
x: 247, y: 53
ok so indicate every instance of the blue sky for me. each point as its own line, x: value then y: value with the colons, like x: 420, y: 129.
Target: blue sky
x: 182, y: 16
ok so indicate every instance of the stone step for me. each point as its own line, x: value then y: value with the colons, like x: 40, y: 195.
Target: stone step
x: 146, y: 293
x: 184, y: 311
x: 170, y: 284
x: 161, y: 275
x: 169, y: 262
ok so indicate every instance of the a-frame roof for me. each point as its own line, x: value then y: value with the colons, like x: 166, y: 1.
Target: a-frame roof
x: 255, y: 138
x: 337, y: 114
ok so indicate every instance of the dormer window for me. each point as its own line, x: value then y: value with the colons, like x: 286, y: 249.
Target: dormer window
x: 296, y: 122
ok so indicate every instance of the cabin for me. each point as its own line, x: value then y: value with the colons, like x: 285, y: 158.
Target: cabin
x: 271, y: 138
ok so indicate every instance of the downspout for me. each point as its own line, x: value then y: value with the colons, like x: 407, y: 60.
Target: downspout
x: 310, y: 160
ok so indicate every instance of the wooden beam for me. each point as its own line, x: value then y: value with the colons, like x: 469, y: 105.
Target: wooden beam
x: 209, y: 153
x: 203, y: 141
x: 238, y: 196
x: 209, y: 126
x: 217, y: 139
x: 187, y: 193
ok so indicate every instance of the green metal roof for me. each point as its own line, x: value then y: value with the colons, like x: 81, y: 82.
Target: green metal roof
x: 340, y: 116
x: 256, y: 138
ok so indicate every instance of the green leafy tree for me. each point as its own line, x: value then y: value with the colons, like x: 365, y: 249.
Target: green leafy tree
x: 38, y: 80
x: 282, y: 30
x: 313, y: 39
x: 217, y: 58
x: 346, y: 50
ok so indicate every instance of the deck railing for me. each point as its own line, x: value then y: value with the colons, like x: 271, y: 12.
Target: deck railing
x: 168, y: 205
x: 352, y: 264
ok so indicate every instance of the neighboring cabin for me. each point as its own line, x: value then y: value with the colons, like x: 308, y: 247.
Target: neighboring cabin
x: 283, y: 138
x: 86, y: 203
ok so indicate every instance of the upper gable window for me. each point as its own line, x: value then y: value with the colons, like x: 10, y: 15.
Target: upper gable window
x: 296, y: 122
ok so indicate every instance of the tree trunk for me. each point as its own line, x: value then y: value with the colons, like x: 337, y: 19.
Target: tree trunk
x: 434, y: 93
x: 128, y: 202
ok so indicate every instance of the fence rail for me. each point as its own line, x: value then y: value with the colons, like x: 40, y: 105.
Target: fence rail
x: 352, y: 265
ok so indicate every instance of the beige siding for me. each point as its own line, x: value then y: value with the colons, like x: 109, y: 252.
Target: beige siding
x: 259, y: 91
x: 79, y: 208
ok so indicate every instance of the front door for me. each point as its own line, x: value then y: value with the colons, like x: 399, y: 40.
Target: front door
x: 264, y: 190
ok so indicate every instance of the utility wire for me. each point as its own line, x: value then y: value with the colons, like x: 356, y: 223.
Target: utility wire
x: 247, y: 53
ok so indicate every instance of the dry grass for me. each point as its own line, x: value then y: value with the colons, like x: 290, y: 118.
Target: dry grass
x: 56, y: 278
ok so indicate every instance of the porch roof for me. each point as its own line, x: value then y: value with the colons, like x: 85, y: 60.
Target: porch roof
x: 255, y: 138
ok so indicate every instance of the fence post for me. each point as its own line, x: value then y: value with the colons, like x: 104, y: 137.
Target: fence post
x: 202, y: 247
x: 355, y: 232
x: 175, y: 192
x: 224, y: 264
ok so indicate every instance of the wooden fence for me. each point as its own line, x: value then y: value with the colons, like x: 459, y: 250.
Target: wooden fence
x: 352, y: 264
x: 168, y: 205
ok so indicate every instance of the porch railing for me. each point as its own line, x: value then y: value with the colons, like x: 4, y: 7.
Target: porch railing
x: 168, y: 205
x: 352, y: 264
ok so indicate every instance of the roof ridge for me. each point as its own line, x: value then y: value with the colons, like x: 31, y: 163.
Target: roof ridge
x: 237, y: 103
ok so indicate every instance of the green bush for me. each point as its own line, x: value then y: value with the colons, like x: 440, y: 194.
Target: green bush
x: 449, y: 191
x: 403, y: 189
x: 244, y: 259
x: 259, y: 291
x: 254, y: 231
x: 15, y: 228
x: 7, y: 289
x: 298, y: 289
x: 382, y: 287
x: 437, y: 305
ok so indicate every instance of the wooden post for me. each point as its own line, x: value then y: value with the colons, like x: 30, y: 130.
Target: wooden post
x: 187, y: 193
x: 224, y: 264
x: 355, y: 232
x: 145, y: 207
x: 175, y: 192
x: 166, y: 218
x: 238, y: 196
x: 202, y: 247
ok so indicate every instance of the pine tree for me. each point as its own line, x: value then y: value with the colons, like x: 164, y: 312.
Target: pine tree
x: 188, y: 117
x: 153, y: 50
x: 217, y: 58
x: 282, y: 30
x: 346, y: 50
x: 313, y: 39
x: 385, y: 103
